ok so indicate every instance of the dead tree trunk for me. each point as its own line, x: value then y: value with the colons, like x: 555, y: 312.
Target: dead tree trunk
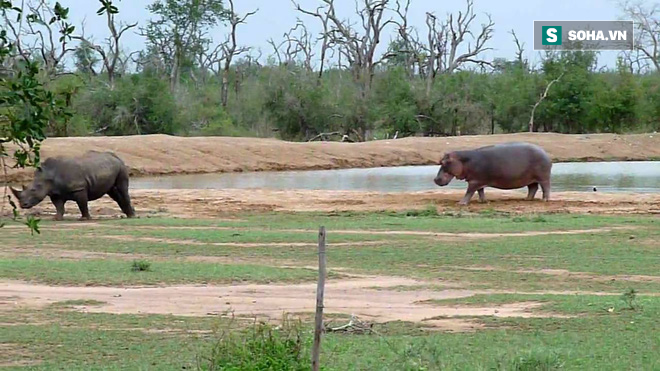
x: 543, y: 96
x: 230, y: 49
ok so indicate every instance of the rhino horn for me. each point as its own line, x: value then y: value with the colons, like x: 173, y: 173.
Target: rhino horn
x: 16, y: 192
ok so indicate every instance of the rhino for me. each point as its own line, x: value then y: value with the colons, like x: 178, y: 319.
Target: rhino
x: 82, y: 179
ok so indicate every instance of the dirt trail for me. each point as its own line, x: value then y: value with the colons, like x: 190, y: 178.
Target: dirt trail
x: 217, y: 203
x: 163, y: 154
x: 354, y: 296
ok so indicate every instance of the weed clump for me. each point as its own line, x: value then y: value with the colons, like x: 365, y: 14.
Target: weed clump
x: 141, y: 266
x: 261, y: 347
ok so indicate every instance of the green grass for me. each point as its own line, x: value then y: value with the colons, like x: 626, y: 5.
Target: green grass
x: 119, y: 272
x: 606, y: 332
x: 617, y: 252
x: 485, y: 222
x: 594, y: 340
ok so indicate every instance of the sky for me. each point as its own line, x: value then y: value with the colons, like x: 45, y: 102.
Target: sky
x: 275, y: 17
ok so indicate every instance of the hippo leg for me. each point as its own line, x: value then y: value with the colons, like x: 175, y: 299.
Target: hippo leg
x: 472, y: 187
x: 81, y: 200
x: 532, y: 191
x: 545, y: 186
x: 59, y: 208
x: 482, y: 195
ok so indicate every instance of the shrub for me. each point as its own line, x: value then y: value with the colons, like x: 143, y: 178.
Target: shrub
x: 262, y: 347
x: 141, y: 266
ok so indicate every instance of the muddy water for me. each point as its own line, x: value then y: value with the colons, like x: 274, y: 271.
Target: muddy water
x: 643, y: 176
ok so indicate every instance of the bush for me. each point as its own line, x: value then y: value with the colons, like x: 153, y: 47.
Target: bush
x: 262, y: 347
x: 141, y: 266
x: 138, y: 104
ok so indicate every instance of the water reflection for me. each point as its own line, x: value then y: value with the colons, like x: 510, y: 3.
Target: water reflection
x: 643, y: 176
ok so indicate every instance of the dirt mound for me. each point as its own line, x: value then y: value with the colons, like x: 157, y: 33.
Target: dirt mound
x: 162, y: 154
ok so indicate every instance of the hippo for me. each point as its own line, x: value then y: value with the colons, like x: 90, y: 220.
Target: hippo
x: 82, y: 179
x: 504, y: 166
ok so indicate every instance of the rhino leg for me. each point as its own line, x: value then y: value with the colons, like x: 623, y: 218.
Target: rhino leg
x: 81, y: 200
x: 124, y: 198
x: 59, y: 208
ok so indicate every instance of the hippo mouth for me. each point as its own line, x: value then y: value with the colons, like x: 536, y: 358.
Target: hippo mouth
x: 443, y: 179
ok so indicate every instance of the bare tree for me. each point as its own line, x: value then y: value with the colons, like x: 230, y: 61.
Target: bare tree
x: 323, y: 15
x: 541, y: 98
x: 520, y: 51
x: 635, y: 61
x: 647, y: 35
x: 289, y: 50
x: 230, y: 49
x: 302, y: 44
x: 458, y: 31
x: 408, y: 41
x: 111, y: 53
x: 359, y: 47
x: 435, y: 49
x: 47, y: 30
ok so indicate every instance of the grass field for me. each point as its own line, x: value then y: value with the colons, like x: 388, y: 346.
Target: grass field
x: 571, y: 278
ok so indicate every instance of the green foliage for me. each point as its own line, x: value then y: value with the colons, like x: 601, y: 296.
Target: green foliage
x: 177, y: 36
x: 396, y: 105
x: 568, y: 102
x: 85, y: 59
x: 630, y: 298
x: 141, y: 265
x: 200, y: 112
x: 536, y: 362
x: 297, y: 104
x: 139, y: 104
x: 26, y: 105
x: 261, y: 347
x: 176, y: 90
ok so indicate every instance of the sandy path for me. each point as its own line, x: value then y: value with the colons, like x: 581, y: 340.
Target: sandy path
x: 219, y: 203
x: 355, y: 296
x: 162, y: 154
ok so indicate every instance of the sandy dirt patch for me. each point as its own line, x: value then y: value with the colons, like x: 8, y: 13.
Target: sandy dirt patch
x: 269, y: 302
x: 163, y: 154
x: 222, y: 203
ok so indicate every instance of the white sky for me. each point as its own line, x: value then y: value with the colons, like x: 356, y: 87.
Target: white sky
x: 277, y: 16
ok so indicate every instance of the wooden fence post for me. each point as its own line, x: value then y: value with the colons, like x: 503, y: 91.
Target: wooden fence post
x: 320, y: 287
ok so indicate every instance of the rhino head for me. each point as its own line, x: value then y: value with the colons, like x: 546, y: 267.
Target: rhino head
x: 31, y: 195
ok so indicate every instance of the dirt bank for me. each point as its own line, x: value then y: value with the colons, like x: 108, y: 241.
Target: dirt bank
x: 162, y: 154
x: 218, y: 203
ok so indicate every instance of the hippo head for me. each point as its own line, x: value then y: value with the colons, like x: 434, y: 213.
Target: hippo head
x: 35, y: 192
x: 450, y: 166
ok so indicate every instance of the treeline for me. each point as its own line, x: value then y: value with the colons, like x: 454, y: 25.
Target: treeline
x: 334, y: 83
